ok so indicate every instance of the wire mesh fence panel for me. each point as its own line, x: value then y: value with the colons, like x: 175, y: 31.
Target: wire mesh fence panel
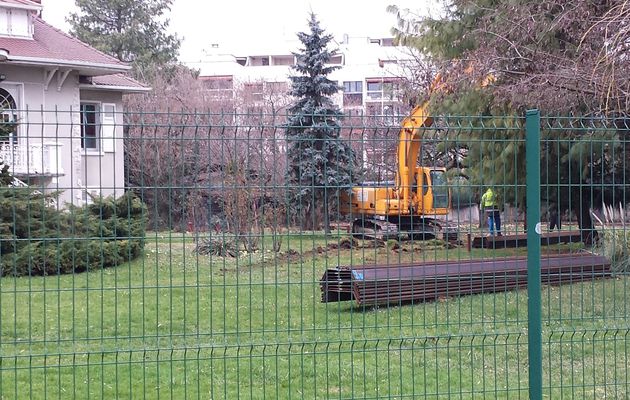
x: 221, y: 255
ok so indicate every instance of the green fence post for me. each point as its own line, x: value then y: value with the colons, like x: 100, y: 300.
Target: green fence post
x: 534, y: 318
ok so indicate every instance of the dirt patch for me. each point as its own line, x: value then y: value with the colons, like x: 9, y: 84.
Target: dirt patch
x: 348, y: 243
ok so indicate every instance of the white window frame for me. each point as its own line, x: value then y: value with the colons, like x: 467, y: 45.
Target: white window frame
x: 351, y: 90
x: 105, y: 129
x: 97, y: 110
x: 12, y: 115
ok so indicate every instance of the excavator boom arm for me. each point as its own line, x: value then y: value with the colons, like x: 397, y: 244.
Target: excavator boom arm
x: 409, y: 146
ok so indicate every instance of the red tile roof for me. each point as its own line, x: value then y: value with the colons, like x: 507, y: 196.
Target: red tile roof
x: 118, y: 81
x: 52, y: 45
x: 29, y: 3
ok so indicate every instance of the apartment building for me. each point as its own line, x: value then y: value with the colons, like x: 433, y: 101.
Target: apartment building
x: 370, y: 74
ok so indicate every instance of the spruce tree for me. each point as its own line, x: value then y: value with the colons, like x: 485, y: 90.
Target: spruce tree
x: 320, y: 163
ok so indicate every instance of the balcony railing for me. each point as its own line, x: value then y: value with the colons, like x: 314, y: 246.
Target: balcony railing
x: 32, y: 158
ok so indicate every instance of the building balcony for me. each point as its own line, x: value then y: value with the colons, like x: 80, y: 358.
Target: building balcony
x: 32, y: 159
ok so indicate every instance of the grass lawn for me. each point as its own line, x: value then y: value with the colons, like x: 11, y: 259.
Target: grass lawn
x: 176, y: 324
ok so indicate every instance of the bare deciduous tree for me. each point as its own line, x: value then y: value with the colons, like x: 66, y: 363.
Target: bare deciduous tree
x: 208, y: 157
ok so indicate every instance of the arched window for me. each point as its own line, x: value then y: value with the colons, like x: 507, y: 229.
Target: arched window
x: 8, y: 117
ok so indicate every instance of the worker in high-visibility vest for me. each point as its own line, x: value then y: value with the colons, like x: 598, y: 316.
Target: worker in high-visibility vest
x: 491, y: 210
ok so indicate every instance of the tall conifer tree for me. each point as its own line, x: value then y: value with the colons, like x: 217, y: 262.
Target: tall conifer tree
x: 133, y: 31
x: 320, y: 162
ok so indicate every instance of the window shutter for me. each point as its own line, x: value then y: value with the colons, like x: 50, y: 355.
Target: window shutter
x: 108, y: 127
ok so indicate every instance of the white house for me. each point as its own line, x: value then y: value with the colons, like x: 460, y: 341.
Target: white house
x: 61, y: 103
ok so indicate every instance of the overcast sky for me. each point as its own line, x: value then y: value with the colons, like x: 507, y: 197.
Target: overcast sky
x: 237, y: 25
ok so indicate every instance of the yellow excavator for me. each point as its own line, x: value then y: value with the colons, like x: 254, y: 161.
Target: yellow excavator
x: 411, y: 205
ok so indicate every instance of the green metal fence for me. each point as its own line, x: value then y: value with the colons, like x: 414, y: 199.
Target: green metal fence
x: 212, y: 275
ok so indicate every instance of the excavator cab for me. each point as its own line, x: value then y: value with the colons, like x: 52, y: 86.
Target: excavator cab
x: 431, y: 192
x: 441, y: 192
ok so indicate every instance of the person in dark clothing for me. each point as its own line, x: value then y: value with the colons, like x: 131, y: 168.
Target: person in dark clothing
x: 554, y: 217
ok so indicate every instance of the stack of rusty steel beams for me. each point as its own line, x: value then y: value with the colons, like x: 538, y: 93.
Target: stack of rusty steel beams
x: 520, y: 240
x: 336, y: 285
x: 399, y: 284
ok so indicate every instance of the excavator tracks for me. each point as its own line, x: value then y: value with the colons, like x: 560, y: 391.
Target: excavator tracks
x: 425, y: 229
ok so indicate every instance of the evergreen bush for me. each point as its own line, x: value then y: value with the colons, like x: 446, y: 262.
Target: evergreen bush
x: 36, y: 239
